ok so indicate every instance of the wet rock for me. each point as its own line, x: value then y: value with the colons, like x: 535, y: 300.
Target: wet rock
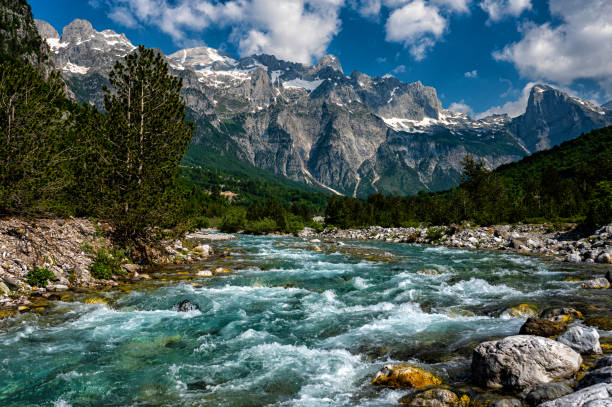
x: 203, y: 249
x: 404, y: 376
x: 594, y: 396
x: 13, y: 283
x: 433, y: 398
x: 521, y: 361
x: 131, y: 268
x: 603, y: 362
x: 96, y: 300
x: 542, y: 327
x: 609, y: 276
x: 506, y: 403
x: 186, y: 306
x: 573, y: 258
x: 582, y: 339
x: 547, y: 392
x: 596, y: 376
x: 596, y: 284
x: 204, y: 273
x: 521, y: 311
x: 605, y: 258
x: 222, y: 270
x: 563, y: 315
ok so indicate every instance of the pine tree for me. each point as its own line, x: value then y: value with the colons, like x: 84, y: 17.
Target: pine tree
x: 34, y: 151
x: 147, y: 138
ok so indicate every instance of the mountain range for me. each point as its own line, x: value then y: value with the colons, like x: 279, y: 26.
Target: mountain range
x: 349, y: 134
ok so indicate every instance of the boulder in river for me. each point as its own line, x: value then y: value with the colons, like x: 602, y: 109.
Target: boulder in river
x: 546, y: 392
x: 521, y: 311
x: 596, y: 284
x: 599, y: 395
x: 521, y: 361
x: 542, y: 327
x: 405, y: 376
x: 582, y: 339
x: 603, y: 362
x: 564, y: 315
x: 186, y: 306
x: 435, y: 398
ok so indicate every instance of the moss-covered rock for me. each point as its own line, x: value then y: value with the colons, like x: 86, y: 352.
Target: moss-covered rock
x: 406, y: 376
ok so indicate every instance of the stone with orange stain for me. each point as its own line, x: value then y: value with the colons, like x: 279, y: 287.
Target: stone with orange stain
x: 405, y: 376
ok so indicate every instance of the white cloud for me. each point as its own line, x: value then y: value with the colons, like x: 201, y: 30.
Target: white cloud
x: 123, y: 16
x: 461, y: 107
x: 399, y: 69
x: 367, y: 8
x: 471, y: 74
x: 579, y: 48
x: 512, y: 108
x: 417, y: 25
x: 297, y: 30
x: 498, y: 9
x: 455, y: 5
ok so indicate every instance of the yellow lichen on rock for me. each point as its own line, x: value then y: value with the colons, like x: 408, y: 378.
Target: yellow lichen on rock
x: 222, y: 270
x: 95, y: 300
x: 405, y: 376
x: 464, y: 401
x: 522, y: 311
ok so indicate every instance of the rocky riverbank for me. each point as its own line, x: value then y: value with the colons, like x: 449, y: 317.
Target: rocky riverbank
x: 567, y: 369
x: 64, y: 250
x: 562, y: 245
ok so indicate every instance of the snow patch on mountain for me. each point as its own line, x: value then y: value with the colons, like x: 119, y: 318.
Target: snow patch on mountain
x: 304, y: 84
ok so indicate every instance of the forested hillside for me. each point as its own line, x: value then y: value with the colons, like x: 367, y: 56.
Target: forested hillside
x: 570, y: 182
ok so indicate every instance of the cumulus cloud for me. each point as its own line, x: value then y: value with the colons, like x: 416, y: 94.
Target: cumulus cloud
x: 417, y: 25
x: 461, y: 107
x: 471, y: 74
x: 367, y: 8
x: 455, y: 5
x: 512, y: 108
x: 297, y: 30
x: 498, y: 9
x: 578, y: 48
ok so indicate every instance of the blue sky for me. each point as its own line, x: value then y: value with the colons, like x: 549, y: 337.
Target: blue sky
x: 480, y: 55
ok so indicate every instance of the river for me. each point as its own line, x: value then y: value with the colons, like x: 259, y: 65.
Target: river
x: 290, y: 326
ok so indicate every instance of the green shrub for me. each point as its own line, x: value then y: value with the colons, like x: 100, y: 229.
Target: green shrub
x: 234, y: 221
x: 108, y: 263
x: 434, y: 234
x: 261, y: 227
x: 39, y: 277
x: 199, y: 222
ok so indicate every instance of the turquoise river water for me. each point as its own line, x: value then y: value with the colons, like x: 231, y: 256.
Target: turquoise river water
x: 289, y: 327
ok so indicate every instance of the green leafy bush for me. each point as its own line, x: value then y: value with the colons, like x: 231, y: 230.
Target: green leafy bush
x: 261, y: 227
x: 39, y: 277
x: 234, y: 221
x: 108, y: 263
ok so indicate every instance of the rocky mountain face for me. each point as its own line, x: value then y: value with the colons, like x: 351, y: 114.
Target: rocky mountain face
x: 350, y: 134
x: 553, y: 116
x: 19, y: 37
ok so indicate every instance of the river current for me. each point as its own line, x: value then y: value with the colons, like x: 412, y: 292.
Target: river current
x: 290, y: 326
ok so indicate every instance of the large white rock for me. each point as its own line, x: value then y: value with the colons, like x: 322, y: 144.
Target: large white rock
x: 599, y: 395
x: 521, y: 361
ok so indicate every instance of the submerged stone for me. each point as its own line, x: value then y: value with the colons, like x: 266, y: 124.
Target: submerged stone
x: 546, y: 392
x: 186, y: 306
x: 434, y: 398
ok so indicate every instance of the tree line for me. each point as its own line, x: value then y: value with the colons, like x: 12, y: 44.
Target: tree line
x: 569, y: 183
